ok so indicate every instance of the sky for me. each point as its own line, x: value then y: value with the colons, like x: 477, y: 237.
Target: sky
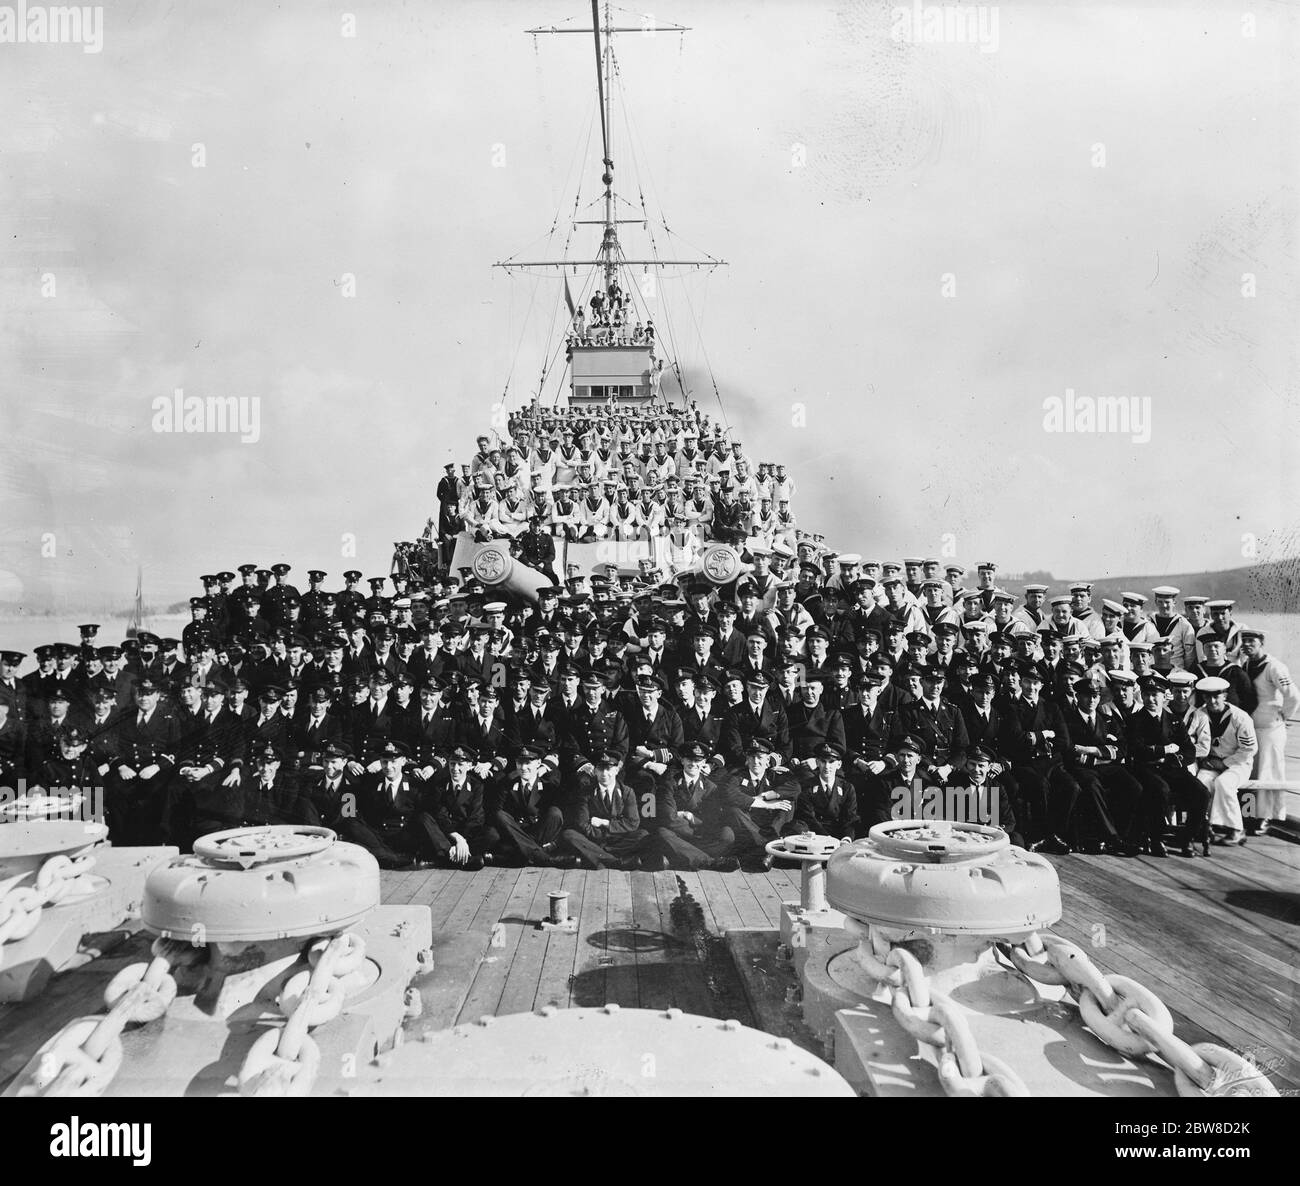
x: 925, y: 242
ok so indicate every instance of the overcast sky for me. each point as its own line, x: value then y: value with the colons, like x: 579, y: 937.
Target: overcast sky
x: 380, y: 155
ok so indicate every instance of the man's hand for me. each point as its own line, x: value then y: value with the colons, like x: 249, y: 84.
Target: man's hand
x: 149, y: 771
x: 231, y: 779
x: 688, y: 816
x: 375, y: 767
x: 944, y: 772
x: 1171, y: 749
x: 876, y: 767
x: 483, y: 769
x: 460, y: 849
x: 425, y: 772
x: 658, y: 767
x: 356, y: 769
x: 125, y: 773
x: 643, y: 751
x: 599, y: 822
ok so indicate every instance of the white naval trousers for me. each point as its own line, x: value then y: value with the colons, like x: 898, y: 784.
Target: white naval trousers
x: 1225, y: 810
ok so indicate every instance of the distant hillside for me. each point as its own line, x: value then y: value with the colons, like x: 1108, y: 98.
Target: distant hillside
x: 1269, y: 587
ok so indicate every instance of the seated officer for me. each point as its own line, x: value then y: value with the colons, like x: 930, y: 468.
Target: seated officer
x: 454, y: 799
x: 604, y: 824
x: 827, y: 803
x: 333, y: 791
x: 689, y: 815
x: 760, y: 799
x: 392, y: 821
x: 524, y: 808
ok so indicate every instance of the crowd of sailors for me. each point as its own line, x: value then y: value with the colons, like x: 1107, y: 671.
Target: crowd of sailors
x: 637, y: 719
x: 607, y: 473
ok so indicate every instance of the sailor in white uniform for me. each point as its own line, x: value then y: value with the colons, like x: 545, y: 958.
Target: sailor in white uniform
x: 1278, y: 700
x: 1232, y: 754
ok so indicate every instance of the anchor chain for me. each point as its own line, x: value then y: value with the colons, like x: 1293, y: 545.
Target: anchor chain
x: 935, y: 1019
x: 83, y: 1058
x: 21, y: 905
x: 285, y: 1061
x: 1132, y: 1019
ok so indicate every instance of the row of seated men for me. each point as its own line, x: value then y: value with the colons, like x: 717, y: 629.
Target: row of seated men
x: 1084, y: 772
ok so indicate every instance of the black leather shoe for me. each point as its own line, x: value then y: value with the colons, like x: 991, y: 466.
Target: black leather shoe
x: 472, y: 865
x: 564, y: 860
x: 1158, y: 849
x: 1187, y: 851
x: 723, y: 865
x: 654, y: 864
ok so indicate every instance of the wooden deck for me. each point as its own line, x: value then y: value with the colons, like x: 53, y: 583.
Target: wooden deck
x: 1218, y: 940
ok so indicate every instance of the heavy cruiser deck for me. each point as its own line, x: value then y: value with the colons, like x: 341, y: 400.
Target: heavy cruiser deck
x: 1218, y: 941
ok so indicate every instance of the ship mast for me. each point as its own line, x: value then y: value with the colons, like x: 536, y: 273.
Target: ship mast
x: 609, y: 244
x: 606, y: 365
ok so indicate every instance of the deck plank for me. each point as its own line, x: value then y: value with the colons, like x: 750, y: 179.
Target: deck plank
x: 653, y: 988
x: 519, y: 992
x: 751, y: 911
x: 554, y: 984
x: 461, y: 943
x: 621, y: 940
x: 767, y: 897
x: 686, y: 985
x: 590, y: 957
x: 504, y: 937
x: 725, y: 914
x: 1196, y: 911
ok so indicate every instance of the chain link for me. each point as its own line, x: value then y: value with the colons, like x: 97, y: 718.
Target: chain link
x: 936, y: 1020
x: 1132, y: 1019
x: 285, y: 1061
x: 83, y: 1058
x: 21, y: 906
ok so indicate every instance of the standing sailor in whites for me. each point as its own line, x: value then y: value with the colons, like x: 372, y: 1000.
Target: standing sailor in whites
x: 1277, y: 699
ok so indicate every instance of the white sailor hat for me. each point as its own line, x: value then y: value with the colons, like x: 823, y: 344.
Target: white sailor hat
x: 987, y: 566
x: 1133, y: 598
x: 1121, y: 677
x: 1061, y: 599
x: 494, y: 607
x: 1113, y: 606
x: 1038, y: 589
x: 1252, y: 632
x: 1165, y: 591
x: 1117, y: 640
x: 1081, y: 587
x: 1181, y: 678
x: 1222, y: 603
x: 1212, y: 684
x: 850, y: 558
x: 913, y: 560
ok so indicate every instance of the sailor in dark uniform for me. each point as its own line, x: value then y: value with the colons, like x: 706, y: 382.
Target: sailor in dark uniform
x: 604, y: 821
x: 827, y: 803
